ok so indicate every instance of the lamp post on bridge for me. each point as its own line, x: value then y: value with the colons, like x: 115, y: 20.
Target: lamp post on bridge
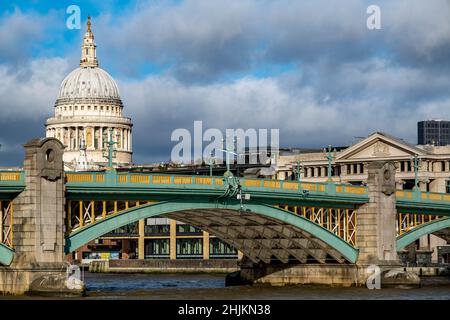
x: 298, y: 171
x: 211, y: 164
x: 416, y: 163
x: 330, y: 155
x: 228, y: 150
x: 109, y: 143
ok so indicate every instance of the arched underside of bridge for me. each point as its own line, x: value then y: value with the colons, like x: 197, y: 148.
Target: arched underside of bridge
x: 6, y: 255
x: 262, y: 232
x: 440, y: 227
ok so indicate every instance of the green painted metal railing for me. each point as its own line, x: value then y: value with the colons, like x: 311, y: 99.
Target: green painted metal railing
x: 6, y: 255
x: 112, y: 180
x: 11, y: 182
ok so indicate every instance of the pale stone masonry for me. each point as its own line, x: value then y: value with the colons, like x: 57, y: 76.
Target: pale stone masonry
x: 38, y: 223
x: 376, y: 235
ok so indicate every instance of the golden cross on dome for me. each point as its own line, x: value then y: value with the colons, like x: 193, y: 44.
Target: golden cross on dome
x: 89, y: 24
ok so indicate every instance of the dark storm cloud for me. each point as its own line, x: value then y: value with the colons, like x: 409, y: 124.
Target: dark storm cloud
x: 341, y: 81
x: 14, y: 133
x: 198, y: 39
x: 27, y: 96
x: 203, y: 40
x: 20, y: 34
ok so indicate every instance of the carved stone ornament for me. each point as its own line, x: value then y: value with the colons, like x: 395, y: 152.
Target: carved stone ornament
x: 380, y: 149
x: 388, y: 179
x: 49, y: 152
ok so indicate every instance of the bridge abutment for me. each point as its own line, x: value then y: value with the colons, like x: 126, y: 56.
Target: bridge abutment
x: 376, y: 233
x: 39, y: 263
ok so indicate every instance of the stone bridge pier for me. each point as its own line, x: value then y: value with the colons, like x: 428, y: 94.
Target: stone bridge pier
x: 376, y: 244
x: 39, y: 263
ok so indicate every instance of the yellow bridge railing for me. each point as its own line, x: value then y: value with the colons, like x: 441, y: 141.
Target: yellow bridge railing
x: 10, y: 176
x: 177, y: 180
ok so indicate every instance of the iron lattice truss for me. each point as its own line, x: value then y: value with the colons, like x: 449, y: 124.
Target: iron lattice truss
x: 6, y: 222
x: 81, y: 213
x: 406, y: 222
x: 341, y: 222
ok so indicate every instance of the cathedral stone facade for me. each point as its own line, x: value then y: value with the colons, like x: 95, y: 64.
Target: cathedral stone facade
x: 89, y: 113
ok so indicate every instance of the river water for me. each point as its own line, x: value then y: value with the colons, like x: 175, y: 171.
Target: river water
x: 212, y: 286
x: 109, y: 286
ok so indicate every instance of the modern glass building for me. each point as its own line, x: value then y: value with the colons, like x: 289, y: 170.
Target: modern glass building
x: 433, y: 132
x: 162, y: 238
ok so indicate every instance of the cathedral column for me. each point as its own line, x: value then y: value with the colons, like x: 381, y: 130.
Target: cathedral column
x: 101, y: 137
x: 93, y: 137
x: 69, y: 136
x: 131, y: 140
x: 63, y: 131
x: 76, y: 138
x: 122, y: 139
x: 91, y: 131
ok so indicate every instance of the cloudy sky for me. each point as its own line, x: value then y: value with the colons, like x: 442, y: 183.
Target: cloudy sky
x: 310, y: 68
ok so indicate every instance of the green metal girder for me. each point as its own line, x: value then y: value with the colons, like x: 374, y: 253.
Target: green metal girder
x: 95, y: 230
x: 425, y: 229
x: 6, y: 255
x: 426, y: 207
x: 110, y: 189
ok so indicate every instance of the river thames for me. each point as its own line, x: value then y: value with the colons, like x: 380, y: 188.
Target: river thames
x: 212, y: 286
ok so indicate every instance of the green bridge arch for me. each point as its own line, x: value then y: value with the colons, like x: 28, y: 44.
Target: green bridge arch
x: 110, y: 223
x: 6, y: 255
x: 425, y: 229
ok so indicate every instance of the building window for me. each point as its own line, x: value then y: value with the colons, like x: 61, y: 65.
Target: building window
x: 127, y: 230
x: 189, y: 248
x: 157, y: 229
x: 157, y: 248
x: 185, y: 228
x: 220, y: 249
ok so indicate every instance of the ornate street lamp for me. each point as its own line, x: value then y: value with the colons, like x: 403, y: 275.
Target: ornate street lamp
x: 108, y: 146
x: 416, y: 164
x: 330, y: 155
x: 228, y: 150
x: 211, y: 164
